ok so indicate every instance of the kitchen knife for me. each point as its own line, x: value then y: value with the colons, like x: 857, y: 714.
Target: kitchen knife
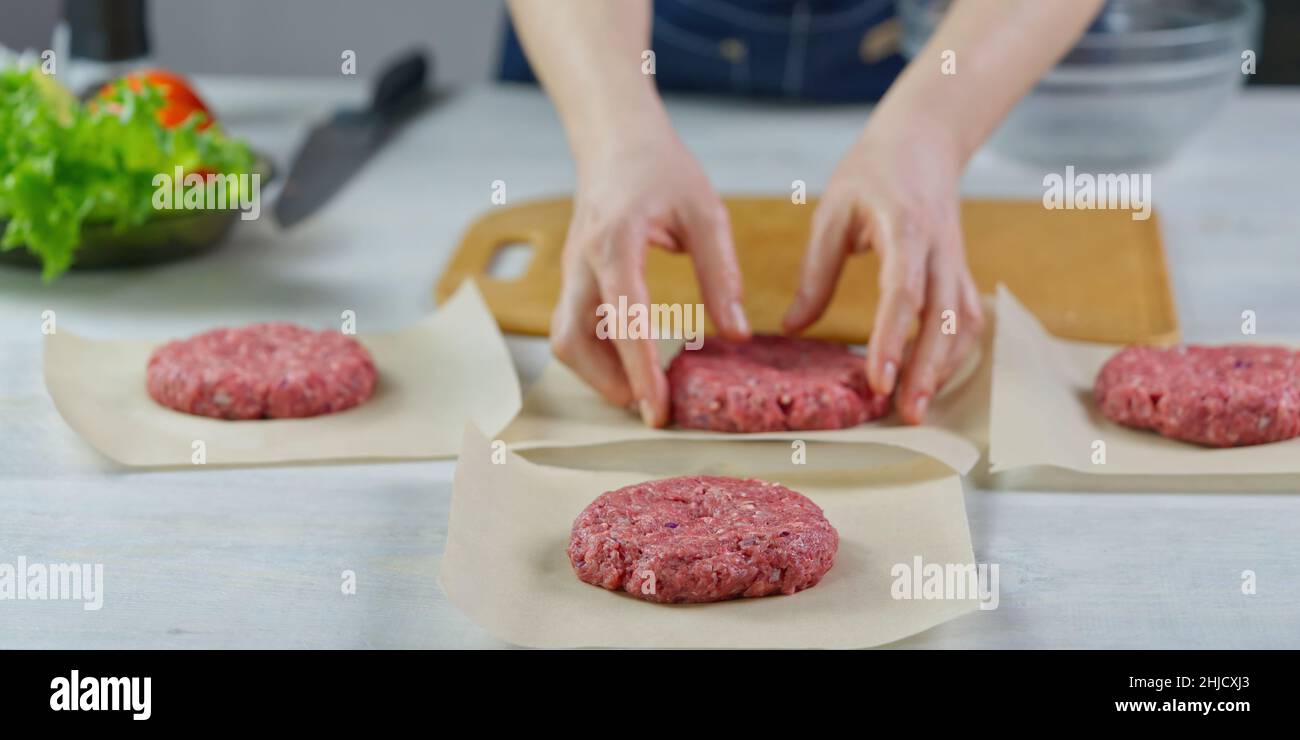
x: 336, y: 149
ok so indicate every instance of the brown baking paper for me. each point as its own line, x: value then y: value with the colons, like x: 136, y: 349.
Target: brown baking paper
x: 562, y: 411
x: 449, y: 368
x: 1043, y: 414
x: 505, y: 563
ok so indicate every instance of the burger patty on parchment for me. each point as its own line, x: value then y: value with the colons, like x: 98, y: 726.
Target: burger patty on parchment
x: 270, y: 370
x: 1227, y: 396
x: 771, y: 384
x: 702, y: 538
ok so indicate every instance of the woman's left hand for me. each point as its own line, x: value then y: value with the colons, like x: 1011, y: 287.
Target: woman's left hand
x: 896, y: 191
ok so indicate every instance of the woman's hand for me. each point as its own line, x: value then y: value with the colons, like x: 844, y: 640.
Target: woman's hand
x: 895, y: 192
x: 896, y: 189
x: 642, y: 187
x: 637, y: 184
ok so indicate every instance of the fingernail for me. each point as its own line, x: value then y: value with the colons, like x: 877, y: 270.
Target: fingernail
x: 647, y: 412
x: 738, y: 319
x: 920, y: 405
x: 890, y: 373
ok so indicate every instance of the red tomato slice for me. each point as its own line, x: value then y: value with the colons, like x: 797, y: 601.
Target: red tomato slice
x: 181, y: 99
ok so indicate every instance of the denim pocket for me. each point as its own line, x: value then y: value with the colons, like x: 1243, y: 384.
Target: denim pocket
x: 696, y: 59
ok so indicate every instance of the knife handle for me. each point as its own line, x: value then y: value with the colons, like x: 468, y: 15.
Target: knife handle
x: 401, y: 81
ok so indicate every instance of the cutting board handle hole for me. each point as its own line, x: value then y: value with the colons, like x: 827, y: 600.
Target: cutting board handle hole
x: 510, y: 260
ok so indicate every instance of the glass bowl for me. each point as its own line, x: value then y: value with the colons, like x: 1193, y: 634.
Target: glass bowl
x: 1140, y: 82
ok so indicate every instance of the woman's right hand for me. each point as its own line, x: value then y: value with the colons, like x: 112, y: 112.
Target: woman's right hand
x: 642, y: 187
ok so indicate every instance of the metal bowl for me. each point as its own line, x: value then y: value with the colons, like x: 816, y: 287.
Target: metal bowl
x: 1140, y: 82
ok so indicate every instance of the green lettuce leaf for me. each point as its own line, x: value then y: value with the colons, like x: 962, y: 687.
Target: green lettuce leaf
x: 63, y: 165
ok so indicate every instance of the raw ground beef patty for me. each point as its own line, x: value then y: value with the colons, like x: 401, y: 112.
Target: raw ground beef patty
x: 275, y: 370
x: 771, y: 384
x: 1226, y: 396
x: 698, y: 539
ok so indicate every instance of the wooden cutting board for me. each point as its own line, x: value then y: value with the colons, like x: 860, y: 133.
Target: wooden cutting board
x: 1090, y: 275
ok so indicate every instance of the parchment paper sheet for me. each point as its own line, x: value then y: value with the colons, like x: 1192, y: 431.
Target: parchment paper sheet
x: 505, y: 563
x: 562, y: 411
x: 449, y: 368
x: 1043, y: 415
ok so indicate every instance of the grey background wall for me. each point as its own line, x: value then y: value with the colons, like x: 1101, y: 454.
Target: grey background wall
x: 296, y: 37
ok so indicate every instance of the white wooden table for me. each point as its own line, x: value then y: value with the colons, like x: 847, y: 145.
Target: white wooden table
x: 253, y: 558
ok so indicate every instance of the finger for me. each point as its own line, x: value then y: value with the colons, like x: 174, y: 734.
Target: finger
x: 969, y: 331
x: 970, y: 328
x: 828, y: 246
x: 573, y: 335
x: 965, y: 340
x: 620, y: 263
x: 961, y: 344
x: 902, y: 249
x: 927, y: 377
x: 972, y: 306
x: 708, y: 239
x: 934, y: 341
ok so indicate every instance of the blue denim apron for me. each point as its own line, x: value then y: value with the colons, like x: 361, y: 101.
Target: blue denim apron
x: 832, y: 50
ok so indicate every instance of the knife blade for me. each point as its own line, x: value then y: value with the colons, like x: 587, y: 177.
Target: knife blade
x: 337, y: 149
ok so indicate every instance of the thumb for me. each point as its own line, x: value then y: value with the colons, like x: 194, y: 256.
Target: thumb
x: 822, y: 262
